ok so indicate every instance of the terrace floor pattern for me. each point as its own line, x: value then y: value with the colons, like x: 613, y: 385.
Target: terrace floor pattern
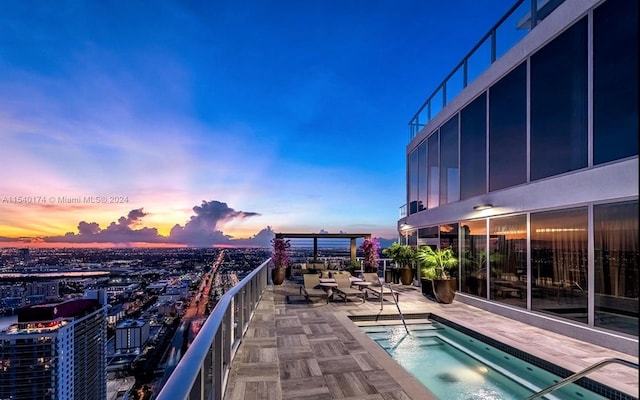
x: 294, y: 350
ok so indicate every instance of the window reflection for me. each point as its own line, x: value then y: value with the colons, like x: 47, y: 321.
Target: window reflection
x: 615, y: 81
x: 449, y: 171
x: 559, y: 104
x: 508, y: 260
x: 433, y: 161
x: 473, y: 148
x: 508, y: 130
x: 413, y: 182
x: 559, y: 263
x: 449, y: 240
x: 616, y: 266
x: 473, y: 268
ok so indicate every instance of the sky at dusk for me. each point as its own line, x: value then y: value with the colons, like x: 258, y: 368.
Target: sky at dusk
x: 215, y: 122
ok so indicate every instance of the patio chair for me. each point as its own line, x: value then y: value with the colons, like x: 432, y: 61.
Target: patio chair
x: 311, y: 287
x: 344, y: 288
x: 377, y: 288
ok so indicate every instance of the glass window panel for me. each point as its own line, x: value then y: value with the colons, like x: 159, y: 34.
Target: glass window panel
x: 616, y: 266
x: 413, y: 182
x: 615, y: 81
x: 449, y: 169
x: 449, y: 240
x: 433, y: 161
x: 422, y: 176
x: 508, y: 260
x: 473, y: 148
x: 559, y: 263
x: 428, y: 236
x: 412, y: 238
x: 559, y: 104
x: 508, y: 130
x: 473, y: 269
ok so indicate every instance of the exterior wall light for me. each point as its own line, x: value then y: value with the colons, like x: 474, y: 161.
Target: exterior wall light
x: 485, y: 206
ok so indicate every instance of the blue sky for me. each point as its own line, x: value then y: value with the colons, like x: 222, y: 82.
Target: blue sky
x: 217, y: 118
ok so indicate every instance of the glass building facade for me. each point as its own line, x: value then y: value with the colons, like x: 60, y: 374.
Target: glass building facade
x: 548, y: 136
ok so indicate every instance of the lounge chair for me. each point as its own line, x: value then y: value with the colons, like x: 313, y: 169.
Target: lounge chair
x: 376, y: 287
x: 311, y: 287
x: 344, y: 288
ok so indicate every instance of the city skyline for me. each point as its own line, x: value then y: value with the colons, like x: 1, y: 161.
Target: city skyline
x: 170, y: 124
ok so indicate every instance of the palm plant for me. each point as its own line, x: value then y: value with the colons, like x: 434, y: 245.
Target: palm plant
x: 403, y: 255
x: 435, y: 264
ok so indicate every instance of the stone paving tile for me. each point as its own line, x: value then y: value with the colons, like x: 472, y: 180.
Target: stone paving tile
x: 301, y: 351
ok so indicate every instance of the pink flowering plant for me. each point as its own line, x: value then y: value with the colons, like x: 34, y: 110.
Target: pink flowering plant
x: 370, y: 248
x: 280, y: 256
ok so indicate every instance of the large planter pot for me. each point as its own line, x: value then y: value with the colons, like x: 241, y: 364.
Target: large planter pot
x: 445, y: 290
x: 406, y: 276
x: 278, y: 274
x: 427, y: 287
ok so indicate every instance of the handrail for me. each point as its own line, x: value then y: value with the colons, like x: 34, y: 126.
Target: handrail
x: 202, y: 372
x: 581, y: 374
x: 415, y: 125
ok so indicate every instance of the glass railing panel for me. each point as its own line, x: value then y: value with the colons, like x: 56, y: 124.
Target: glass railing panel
x: 436, y: 103
x: 455, y: 84
x: 511, y: 30
x: 209, y: 380
x: 479, y: 61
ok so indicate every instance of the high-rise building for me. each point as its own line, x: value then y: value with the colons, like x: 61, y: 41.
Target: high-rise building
x: 528, y: 169
x: 56, y: 351
x: 24, y: 256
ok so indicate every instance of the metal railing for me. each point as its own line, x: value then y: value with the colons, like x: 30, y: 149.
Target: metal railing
x: 203, y: 371
x: 580, y: 374
x: 482, y: 55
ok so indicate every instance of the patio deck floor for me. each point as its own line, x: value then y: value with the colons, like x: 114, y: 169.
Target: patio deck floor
x: 295, y: 350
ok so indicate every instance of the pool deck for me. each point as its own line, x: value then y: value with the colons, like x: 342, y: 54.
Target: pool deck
x: 295, y: 350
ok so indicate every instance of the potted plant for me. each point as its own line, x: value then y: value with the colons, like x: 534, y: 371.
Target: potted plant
x: 435, y: 266
x: 403, y: 255
x: 280, y: 260
x: 370, y: 249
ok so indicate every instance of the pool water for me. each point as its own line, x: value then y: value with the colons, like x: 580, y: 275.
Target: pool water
x: 453, y: 365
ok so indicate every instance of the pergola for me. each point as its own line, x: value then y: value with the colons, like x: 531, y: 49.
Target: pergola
x: 316, y: 236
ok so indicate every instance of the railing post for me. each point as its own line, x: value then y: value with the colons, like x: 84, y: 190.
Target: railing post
x: 218, y: 370
x: 493, y: 46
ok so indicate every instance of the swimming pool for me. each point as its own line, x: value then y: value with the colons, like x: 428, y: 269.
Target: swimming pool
x: 453, y: 365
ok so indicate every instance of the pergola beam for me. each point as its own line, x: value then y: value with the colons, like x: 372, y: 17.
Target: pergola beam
x: 316, y: 236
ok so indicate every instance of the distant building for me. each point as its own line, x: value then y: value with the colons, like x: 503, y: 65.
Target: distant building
x: 121, y: 290
x: 174, y: 292
x: 131, y: 335
x: 47, y: 289
x: 56, y: 351
x: 167, y: 308
x: 24, y: 256
x: 11, y: 291
x: 115, y: 314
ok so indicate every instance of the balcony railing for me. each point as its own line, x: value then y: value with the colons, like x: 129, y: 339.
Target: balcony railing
x: 202, y: 372
x: 513, y: 26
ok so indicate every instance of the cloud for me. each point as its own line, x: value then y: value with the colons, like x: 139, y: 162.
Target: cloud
x: 116, y: 232
x: 202, y: 229
x: 260, y: 239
